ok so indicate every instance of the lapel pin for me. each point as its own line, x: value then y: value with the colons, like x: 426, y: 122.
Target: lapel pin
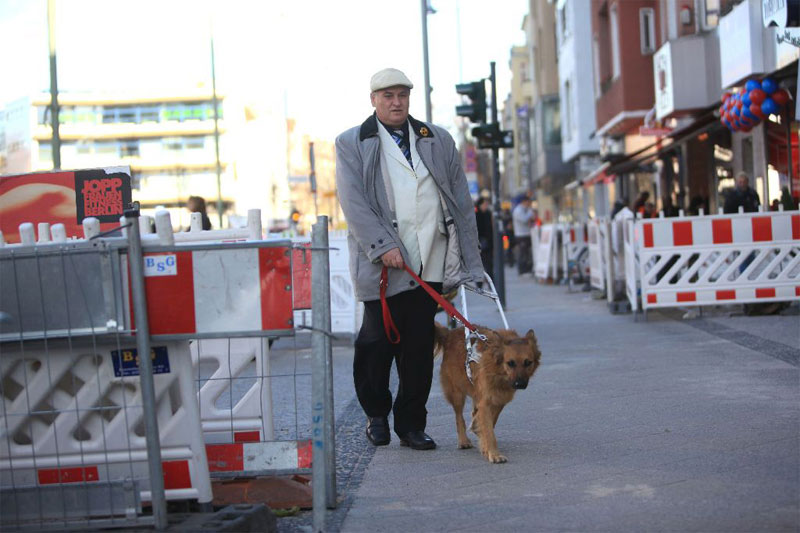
x: 423, y: 131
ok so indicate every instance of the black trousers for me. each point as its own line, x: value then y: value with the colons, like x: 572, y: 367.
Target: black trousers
x: 524, y: 257
x: 413, y: 312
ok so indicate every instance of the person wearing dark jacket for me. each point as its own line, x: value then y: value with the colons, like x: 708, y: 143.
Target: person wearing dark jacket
x: 483, y: 218
x: 742, y: 196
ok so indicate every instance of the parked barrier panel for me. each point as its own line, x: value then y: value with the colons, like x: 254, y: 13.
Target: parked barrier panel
x: 741, y: 258
x: 597, y: 254
x: 72, y: 440
x: 545, y: 254
x: 575, y: 253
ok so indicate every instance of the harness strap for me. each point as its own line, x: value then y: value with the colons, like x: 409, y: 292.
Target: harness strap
x: 389, y: 325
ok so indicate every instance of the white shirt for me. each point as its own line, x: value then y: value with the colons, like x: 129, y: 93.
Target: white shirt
x: 417, y: 206
x: 521, y: 216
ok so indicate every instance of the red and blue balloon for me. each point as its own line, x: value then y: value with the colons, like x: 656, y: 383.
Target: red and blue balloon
x: 743, y: 109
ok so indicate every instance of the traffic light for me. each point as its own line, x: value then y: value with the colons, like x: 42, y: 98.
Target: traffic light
x: 476, y: 110
x: 491, y: 136
x: 295, y: 216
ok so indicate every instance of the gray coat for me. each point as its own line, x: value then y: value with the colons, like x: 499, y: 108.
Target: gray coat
x: 372, y: 231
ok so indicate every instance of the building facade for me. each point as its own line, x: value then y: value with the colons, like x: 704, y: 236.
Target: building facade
x: 169, y: 142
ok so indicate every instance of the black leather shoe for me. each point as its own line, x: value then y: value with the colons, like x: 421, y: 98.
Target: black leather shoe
x: 378, y: 430
x: 417, y: 440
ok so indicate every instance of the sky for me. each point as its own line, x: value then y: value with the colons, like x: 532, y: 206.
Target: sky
x: 313, y: 57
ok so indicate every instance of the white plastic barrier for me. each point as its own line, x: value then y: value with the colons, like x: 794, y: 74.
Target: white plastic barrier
x: 706, y: 260
x: 346, y: 311
x: 575, y: 242
x: 234, y: 389
x: 546, y: 256
x: 631, y: 237
x: 73, y: 414
x: 597, y: 253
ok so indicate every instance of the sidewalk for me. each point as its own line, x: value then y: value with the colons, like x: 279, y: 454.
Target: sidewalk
x: 627, y: 426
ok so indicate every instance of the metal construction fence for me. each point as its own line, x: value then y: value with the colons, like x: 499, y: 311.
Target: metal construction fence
x: 92, y: 435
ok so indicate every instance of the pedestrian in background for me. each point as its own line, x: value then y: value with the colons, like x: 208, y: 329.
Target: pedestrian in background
x: 742, y: 196
x: 196, y: 204
x: 483, y: 219
x: 406, y: 201
x: 641, y: 200
x: 522, y: 215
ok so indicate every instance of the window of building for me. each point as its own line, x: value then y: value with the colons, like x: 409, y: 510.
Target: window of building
x: 615, y: 51
x: 45, y: 151
x: 596, y: 66
x: 150, y: 113
x: 568, y: 114
x: 195, y: 143
x: 129, y: 148
x: 709, y: 15
x: 106, y: 147
x: 109, y: 115
x: 552, y: 123
x: 647, y: 30
x: 126, y: 115
x: 564, y: 22
x: 172, y: 143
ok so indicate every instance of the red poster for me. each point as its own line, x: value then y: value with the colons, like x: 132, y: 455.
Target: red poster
x: 63, y: 198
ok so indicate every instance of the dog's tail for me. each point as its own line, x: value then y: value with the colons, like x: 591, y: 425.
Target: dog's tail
x: 440, y: 335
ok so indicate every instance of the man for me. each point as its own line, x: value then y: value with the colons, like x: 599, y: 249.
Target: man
x: 522, y: 216
x: 406, y: 201
x: 742, y: 196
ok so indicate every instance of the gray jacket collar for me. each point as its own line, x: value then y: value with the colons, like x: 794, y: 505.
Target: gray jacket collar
x: 369, y: 128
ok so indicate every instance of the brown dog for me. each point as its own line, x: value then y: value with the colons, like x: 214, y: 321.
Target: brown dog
x: 507, y: 362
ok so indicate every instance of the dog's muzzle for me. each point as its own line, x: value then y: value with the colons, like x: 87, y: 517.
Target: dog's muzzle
x: 520, y: 384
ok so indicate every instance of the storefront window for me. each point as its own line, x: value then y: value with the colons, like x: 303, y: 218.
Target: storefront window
x: 552, y: 123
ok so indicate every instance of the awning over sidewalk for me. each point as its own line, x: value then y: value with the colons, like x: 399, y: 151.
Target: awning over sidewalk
x: 706, y: 122
x: 599, y: 175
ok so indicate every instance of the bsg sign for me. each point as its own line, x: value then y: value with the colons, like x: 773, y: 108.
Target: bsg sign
x: 160, y: 265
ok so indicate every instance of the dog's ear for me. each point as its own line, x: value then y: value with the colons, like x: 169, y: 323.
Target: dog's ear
x: 531, y: 336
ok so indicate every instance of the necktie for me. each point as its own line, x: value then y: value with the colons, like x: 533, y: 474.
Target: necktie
x: 398, y: 137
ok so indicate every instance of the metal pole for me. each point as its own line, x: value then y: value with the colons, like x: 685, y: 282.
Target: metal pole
x: 320, y: 242
x: 499, y: 270
x: 312, y: 177
x: 425, y: 66
x: 216, y: 130
x: 54, y: 107
x: 136, y: 261
x: 320, y: 305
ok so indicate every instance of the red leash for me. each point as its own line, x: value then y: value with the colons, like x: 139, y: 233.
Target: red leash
x: 389, y: 325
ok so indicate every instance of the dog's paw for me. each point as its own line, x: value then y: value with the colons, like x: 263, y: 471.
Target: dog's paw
x: 465, y: 445
x: 496, y: 458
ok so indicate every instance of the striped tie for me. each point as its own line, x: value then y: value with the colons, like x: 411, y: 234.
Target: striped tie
x: 397, y: 135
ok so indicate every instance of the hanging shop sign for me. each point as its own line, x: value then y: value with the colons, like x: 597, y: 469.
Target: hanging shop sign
x: 64, y: 197
x: 781, y: 13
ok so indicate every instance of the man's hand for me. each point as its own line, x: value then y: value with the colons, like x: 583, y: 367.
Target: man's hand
x: 393, y: 258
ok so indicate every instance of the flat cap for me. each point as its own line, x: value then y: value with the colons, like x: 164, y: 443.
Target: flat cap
x: 389, y: 77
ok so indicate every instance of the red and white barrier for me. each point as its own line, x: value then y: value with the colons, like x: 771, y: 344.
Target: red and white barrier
x: 228, y: 291
x: 741, y: 258
x: 575, y: 243
x: 259, y: 457
x: 74, y: 417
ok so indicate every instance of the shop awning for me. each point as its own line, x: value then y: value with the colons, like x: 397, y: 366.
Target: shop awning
x: 598, y: 175
x: 707, y: 121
